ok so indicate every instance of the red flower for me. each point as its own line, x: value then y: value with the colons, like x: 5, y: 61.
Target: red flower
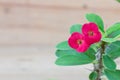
x: 77, y: 41
x: 91, y: 33
x: 81, y: 42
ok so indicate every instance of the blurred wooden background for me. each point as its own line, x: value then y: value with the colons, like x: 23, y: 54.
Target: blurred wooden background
x: 30, y: 29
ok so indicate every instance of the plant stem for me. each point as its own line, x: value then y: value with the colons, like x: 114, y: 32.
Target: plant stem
x: 99, y: 66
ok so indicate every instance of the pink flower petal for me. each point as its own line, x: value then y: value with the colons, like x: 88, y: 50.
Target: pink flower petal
x: 93, y: 39
x: 89, y: 27
x: 77, y: 41
x: 84, y: 47
x: 91, y: 33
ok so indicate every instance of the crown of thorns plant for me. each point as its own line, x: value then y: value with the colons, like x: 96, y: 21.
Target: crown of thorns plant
x: 91, y: 44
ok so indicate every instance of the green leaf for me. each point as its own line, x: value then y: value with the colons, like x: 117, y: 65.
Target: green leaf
x: 112, y: 74
x: 60, y: 53
x: 118, y: 1
x: 109, y: 40
x: 96, y: 19
x: 71, y: 57
x: 93, y: 76
x: 117, y: 23
x: 109, y: 63
x: 113, y: 50
x: 63, y: 46
x: 70, y: 60
x: 113, y: 30
x: 65, y: 57
x: 90, y: 53
x: 76, y: 28
x: 115, y: 34
x: 94, y: 47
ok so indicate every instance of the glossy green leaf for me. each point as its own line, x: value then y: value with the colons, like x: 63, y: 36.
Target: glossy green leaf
x: 93, y: 76
x: 76, y: 28
x: 71, y: 57
x: 115, y: 34
x: 96, y: 19
x: 60, y: 53
x: 113, y: 30
x: 113, y: 50
x: 109, y: 63
x: 94, y: 47
x: 70, y: 60
x: 90, y: 53
x: 117, y: 23
x: 112, y: 74
x: 63, y: 46
x: 118, y: 1
x: 109, y: 40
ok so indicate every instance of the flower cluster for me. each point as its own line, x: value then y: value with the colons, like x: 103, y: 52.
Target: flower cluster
x: 90, y: 35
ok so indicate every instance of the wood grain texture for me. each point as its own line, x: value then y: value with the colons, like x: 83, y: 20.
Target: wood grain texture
x: 30, y: 29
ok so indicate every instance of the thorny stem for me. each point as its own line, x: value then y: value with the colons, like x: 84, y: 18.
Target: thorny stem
x: 98, y: 67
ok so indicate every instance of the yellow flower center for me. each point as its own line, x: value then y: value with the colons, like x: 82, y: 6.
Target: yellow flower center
x: 79, y: 41
x: 90, y: 33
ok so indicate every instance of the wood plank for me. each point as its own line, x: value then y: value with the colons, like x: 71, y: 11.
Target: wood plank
x: 28, y: 37
x: 13, y: 1
x: 68, y: 3
x: 47, y: 18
